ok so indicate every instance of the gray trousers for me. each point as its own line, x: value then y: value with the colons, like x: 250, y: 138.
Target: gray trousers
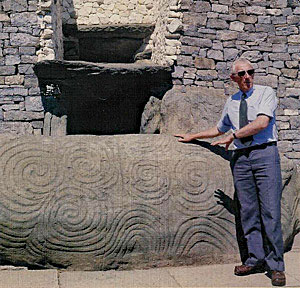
x: 257, y: 180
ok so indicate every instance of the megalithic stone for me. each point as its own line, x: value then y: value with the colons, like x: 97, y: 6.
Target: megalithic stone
x: 127, y: 201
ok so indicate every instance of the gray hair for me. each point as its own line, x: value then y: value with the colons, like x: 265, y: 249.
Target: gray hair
x: 240, y: 60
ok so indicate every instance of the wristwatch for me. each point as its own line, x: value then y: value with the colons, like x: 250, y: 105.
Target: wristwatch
x: 234, y: 136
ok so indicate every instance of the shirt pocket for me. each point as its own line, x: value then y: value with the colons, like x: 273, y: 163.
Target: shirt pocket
x: 252, y: 113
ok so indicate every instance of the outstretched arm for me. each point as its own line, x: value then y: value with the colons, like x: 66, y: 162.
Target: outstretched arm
x: 209, y: 133
x: 260, y: 123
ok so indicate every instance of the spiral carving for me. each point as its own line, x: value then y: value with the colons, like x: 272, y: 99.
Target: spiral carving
x: 90, y: 165
x: 148, y: 181
x: 201, y: 235
x: 29, y: 174
x: 198, y: 179
x: 137, y: 230
x: 73, y: 221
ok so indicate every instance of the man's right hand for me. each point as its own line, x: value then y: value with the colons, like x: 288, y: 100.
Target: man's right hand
x: 185, y: 137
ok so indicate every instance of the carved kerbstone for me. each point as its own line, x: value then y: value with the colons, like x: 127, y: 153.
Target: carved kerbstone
x: 95, y: 203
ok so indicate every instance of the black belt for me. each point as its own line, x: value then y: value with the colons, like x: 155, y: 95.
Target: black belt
x: 255, y: 147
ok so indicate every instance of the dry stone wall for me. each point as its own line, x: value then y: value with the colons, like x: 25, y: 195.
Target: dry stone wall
x: 21, y: 109
x: 165, y: 15
x: 266, y: 32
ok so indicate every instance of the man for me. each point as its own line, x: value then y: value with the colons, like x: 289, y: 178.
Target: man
x: 250, y: 114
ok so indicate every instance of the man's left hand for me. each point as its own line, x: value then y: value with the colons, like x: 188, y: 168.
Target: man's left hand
x: 226, y: 140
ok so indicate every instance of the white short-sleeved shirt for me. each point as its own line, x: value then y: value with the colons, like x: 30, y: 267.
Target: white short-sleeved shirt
x: 260, y: 100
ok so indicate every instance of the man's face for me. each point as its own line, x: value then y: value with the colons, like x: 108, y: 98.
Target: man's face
x: 245, y: 82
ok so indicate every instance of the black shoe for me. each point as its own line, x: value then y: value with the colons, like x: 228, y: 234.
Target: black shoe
x: 243, y: 270
x: 278, y: 278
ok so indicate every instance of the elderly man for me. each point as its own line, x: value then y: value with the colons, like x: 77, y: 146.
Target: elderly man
x: 250, y: 114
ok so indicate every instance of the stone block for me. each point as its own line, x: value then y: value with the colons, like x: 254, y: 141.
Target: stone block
x: 264, y: 19
x: 14, y: 80
x: 200, y: 7
x: 227, y: 35
x: 98, y: 185
x: 58, y: 125
x: 293, y: 92
x: 283, y: 125
x: 293, y: 20
x: 279, y: 48
x: 189, y: 73
x: 207, y: 75
x: 294, y: 39
x: 253, y: 56
x: 25, y: 69
x: 185, y: 60
x: 9, y: 107
x: 293, y: 48
x: 151, y: 117
x: 188, y: 82
x: 286, y: 30
x: 22, y: 116
x: 204, y: 63
x: 4, y: 17
x: 237, y: 26
x: 178, y: 72
x: 7, y: 70
x: 31, y: 81
x: 29, y: 59
x: 289, y: 135
x: 230, y: 54
x: 279, y: 20
x: 4, y: 36
x: 215, y: 54
x: 287, y: 11
x: 253, y: 37
x: 295, y: 122
x: 194, y: 19
x: 279, y: 3
x: 292, y: 64
x: 189, y: 50
x: 23, y: 39
x: 220, y: 8
x: 12, y: 60
x: 175, y: 26
x: 226, y: 2
x: 274, y: 12
x: 279, y: 56
x: 265, y: 28
x: 37, y: 124
x: 34, y: 104
x: 192, y: 41
x: 217, y: 24
x: 269, y: 80
x: 285, y: 146
x: 290, y: 73
x: 250, y: 19
x: 24, y: 19
x: 278, y: 64
x: 256, y: 10
x: 20, y: 91
x: 228, y: 17
x: 10, y: 51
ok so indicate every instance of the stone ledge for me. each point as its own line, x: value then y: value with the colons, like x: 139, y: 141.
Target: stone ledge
x: 139, y: 31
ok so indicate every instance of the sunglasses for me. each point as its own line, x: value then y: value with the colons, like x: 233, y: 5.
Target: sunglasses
x: 243, y: 73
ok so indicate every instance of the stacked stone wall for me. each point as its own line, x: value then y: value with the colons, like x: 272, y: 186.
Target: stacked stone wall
x: 166, y: 37
x: 165, y: 15
x: 106, y: 12
x: 21, y: 109
x: 266, y: 32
